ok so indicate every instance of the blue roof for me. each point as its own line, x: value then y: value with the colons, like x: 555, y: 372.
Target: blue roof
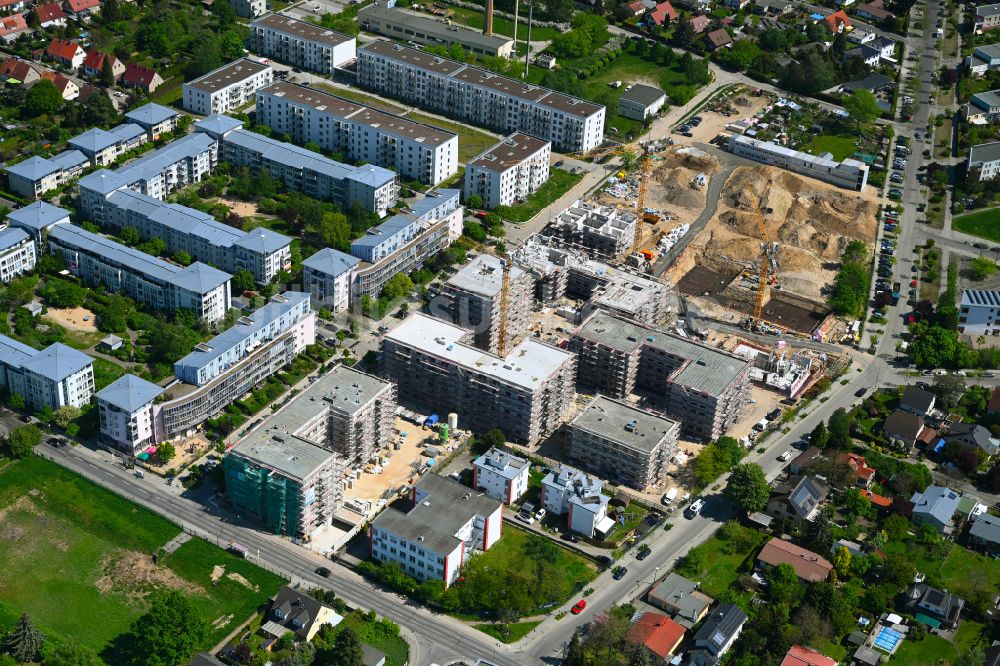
x: 57, y: 362
x: 129, y: 393
x: 95, y: 140
x: 331, y: 262
x: 289, y: 154
x: 151, y: 114
x: 102, y: 181
x: 372, y: 176
x: 262, y: 239
x: 69, y: 159
x: 38, y: 215
x: 433, y: 200
x: 816, y: 16
x: 153, y: 164
x: 128, y: 131
x: 938, y: 501
x: 14, y: 353
x: 217, y: 124
x: 181, y: 218
x: 34, y: 168
x: 12, y: 236
x: 200, y: 278
x: 385, y: 231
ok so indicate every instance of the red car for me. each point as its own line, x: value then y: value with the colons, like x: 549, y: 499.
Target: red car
x: 578, y: 608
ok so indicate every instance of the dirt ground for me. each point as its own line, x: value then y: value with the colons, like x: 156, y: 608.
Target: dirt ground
x: 241, y: 208
x: 811, y: 221
x: 187, y: 450
x: 73, y: 319
x: 714, y: 123
x: 133, y: 574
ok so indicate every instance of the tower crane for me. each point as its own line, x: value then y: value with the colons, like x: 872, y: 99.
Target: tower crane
x: 767, y: 256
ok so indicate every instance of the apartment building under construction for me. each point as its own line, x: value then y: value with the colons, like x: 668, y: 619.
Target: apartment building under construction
x: 435, y: 365
x: 602, y: 231
x: 705, y: 388
x: 475, y: 295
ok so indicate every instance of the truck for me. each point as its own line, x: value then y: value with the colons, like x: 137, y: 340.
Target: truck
x: 238, y: 550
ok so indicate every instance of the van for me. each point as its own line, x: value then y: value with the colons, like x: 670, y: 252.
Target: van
x: 761, y: 425
x: 694, y: 509
x: 669, y: 497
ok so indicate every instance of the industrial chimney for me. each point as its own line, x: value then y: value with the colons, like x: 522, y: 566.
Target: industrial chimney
x: 488, y: 25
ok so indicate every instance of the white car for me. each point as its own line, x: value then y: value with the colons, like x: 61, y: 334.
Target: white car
x: 786, y: 456
x: 526, y: 518
x: 695, y: 508
x: 540, y: 514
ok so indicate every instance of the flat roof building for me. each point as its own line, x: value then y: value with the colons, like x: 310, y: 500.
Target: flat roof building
x: 849, y: 174
x: 17, y: 253
x: 480, y: 97
x: 978, y: 312
x: 705, y: 388
x: 501, y: 475
x: 301, y: 44
x: 622, y: 443
x: 604, y: 232
x: 97, y: 260
x: 248, y: 8
x: 524, y: 394
x: 639, y: 102
x: 984, y: 160
x: 227, y: 88
x: 358, y: 132
x: 475, y: 294
x: 57, y: 376
x: 510, y: 171
x: 395, y: 23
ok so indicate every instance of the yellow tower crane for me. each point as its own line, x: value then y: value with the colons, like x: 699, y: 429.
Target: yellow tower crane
x: 505, y: 265
x: 765, y: 259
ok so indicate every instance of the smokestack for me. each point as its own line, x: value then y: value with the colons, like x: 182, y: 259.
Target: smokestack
x: 488, y: 25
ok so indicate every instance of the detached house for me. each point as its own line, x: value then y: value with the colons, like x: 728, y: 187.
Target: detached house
x: 50, y: 14
x: 14, y: 70
x: 837, y: 22
x: 985, y: 533
x: 717, y: 635
x: 681, y: 598
x: 143, y: 78
x: 936, y: 506
x: 917, y: 401
x: 808, y: 566
x: 973, y: 436
x: 658, y: 634
x: 903, y: 426
x: 934, y: 607
x: 798, y: 499
x: 663, y: 13
x: 11, y: 27
x: 863, y: 474
x: 718, y: 39
x: 95, y: 62
x: 297, y: 613
x: 66, y: 53
x: 66, y: 87
x: 82, y: 8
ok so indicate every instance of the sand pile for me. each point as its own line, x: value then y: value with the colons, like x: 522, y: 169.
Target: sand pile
x: 672, y: 176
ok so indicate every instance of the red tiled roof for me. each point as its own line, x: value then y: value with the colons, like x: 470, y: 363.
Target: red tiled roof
x: 808, y: 565
x: 62, y: 49
x: 15, y: 69
x: 50, y: 11
x: 859, y: 465
x: 662, y: 11
x: 699, y: 23
x: 95, y: 59
x: 876, y: 499
x: 834, y: 20
x: 657, y: 632
x: 636, y: 7
x: 138, y: 75
x: 801, y: 656
x: 11, y: 24
x: 719, y: 38
x: 78, y: 6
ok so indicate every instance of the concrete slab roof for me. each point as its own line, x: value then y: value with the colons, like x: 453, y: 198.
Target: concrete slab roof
x: 483, y: 276
x: 623, y: 423
x: 228, y: 74
x: 510, y: 152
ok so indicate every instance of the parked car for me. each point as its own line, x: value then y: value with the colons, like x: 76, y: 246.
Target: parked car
x: 323, y: 571
x: 644, y: 552
x: 578, y: 608
x: 694, y: 508
x: 618, y: 572
x: 786, y: 456
x: 773, y: 414
x: 860, y: 392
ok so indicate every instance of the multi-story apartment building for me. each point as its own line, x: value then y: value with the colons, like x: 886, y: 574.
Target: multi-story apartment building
x: 58, y: 376
x: 17, y: 253
x: 524, y: 394
x: 98, y: 260
x: 984, y: 59
x: 327, y: 276
x: 156, y: 119
x: 127, y: 410
x: 301, y: 44
x: 983, y: 107
x: 441, y: 526
x: 705, y: 388
x: 37, y: 218
x: 622, y: 443
x: 569, y: 492
x: 509, y: 171
x: 104, y: 147
x: 987, y: 18
x: 106, y: 199
x: 388, y: 21
x: 849, y: 174
x: 187, y: 160
x: 227, y: 88
x: 248, y: 8
x: 984, y: 161
x: 601, y: 231
x: 475, y: 294
x: 359, y: 133
x: 37, y: 175
x: 480, y: 97
x: 979, y: 312
x: 501, y: 475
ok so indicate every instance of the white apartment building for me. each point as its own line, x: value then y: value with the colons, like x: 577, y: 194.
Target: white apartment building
x: 987, y: 18
x: 155, y: 119
x: 502, y: 476
x: 37, y: 175
x: 849, y: 174
x: 97, y: 260
x: 979, y: 312
x: 569, y: 492
x: 443, y: 525
x: 227, y: 88
x: 360, y: 133
x: 248, y: 8
x: 127, y: 414
x: 58, y: 376
x: 37, y: 218
x: 509, y: 171
x: 984, y: 59
x: 104, y: 147
x: 301, y: 44
x: 17, y: 253
x: 480, y: 97
x: 327, y: 276
x: 984, y: 159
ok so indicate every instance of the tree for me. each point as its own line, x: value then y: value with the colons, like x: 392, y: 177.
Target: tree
x: 933, y: 346
x: 347, y: 648
x: 243, y: 280
x: 65, y: 415
x: 862, y: 107
x: 574, y: 655
x: 98, y: 111
x: 398, y: 286
x: 335, y: 231
x: 783, y: 585
x: 983, y: 267
x: 130, y: 236
x: 819, y: 535
x: 22, y: 441
x: 107, y: 72
x: 842, y: 561
x: 839, y: 426
x: 857, y: 504
x: 683, y: 32
x: 72, y: 654
x: 63, y: 293
x: 165, y: 451
x: 42, y: 99
x: 748, y: 487
x: 169, y: 632
x: 948, y: 389
x: 24, y: 642
x: 820, y: 436
x: 182, y: 258
x: 474, y: 201
x: 974, y: 656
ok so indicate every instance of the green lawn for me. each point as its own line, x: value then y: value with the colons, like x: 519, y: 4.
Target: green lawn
x: 380, y: 637
x: 559, y: 183
x: 841, y: 145
x: 634, y: 515
x: 515, y: 632
x: 718, y: 562
x: 982, y: 223
x: 364, y: 98
x: 471, y: 141
x: 961, y: 571
x: 82, y: 557
x: 83, y: 339
x: 105, y: 372
x: 502, y: 26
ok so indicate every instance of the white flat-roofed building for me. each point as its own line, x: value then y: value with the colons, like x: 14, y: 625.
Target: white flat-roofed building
x: 984, y: 160
x: 17, y: 253
x: 249, y: 8
x: 983, y: 107
x: 58, y: 376
x: 37, y: 218
x: 97, y: 260
x: 327, y: 275
x: 389, y: 21
x: 567, y: 491
x: 156, y: 119
x: 480, y: 97
x: 126, y: 409
x: 622, y: 443
x: 227, y: 88
x: 501, y: 475
x: 442, y: 525
x: 987, y: 17
x: 849, y: 174
x: 475, y: 294
x: 979, y: 312
x: 360, y: 133
x: 301, y: 44
x: 104, y: 147
x: 984, y: 59
x: 435, y: 365
x: 37, y: 175
x: 510, y: 171
x: 639, y: 102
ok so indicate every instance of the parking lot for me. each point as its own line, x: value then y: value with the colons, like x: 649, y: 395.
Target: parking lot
x: 307, y: 9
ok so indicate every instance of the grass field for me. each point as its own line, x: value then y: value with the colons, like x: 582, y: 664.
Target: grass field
x: 501, y: 26
x: 471, y: 142
x: 842, y: 145
x: 82, y: 557
x: 515, y: 631
x: 559, y: 183
x: 721, y: 559
x: 982, y: 223
x: 105, y: 372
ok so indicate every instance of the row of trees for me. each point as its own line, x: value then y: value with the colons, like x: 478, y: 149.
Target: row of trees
x: 851, y: 285
x: 716, y: 459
